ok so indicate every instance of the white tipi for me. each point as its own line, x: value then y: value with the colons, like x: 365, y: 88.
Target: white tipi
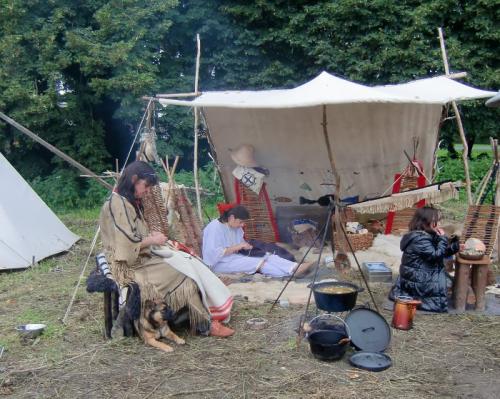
x: 29, y: 230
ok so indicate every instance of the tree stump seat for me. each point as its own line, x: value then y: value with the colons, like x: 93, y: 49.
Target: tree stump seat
x: 466, y: 271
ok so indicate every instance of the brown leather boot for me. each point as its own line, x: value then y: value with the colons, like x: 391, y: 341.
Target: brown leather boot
x: 217, y: 329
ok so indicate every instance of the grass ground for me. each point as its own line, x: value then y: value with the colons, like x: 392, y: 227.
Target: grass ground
x: 444, y: 356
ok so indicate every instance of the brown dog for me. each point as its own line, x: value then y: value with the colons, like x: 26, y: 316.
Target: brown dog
x: 153, y: 325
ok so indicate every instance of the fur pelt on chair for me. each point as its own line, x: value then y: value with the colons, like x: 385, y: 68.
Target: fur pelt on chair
x: 133, y: 303
x: 97, y: 282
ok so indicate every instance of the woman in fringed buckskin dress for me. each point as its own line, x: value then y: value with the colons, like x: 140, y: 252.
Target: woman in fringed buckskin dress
x: 181, y: 282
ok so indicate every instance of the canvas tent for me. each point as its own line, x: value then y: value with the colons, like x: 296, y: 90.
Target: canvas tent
x: 368, y: 128
x: 29, y: 230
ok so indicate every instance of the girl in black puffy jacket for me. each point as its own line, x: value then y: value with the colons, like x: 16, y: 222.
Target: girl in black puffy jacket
x: 422, y: 274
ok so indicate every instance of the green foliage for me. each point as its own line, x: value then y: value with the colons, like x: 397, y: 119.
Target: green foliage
x: 75, y: 72
x: 65, y: 190
x: 453, y: 169
x: 69, y: 68
x: 373, y: 42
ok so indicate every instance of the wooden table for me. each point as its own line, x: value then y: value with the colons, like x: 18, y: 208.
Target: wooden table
x: 464, y: 270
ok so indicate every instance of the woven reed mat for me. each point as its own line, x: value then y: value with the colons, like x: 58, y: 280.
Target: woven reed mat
x: 188, y: 228
x: 260, y: 226
x: 155, y: 212
x: 481, y: 222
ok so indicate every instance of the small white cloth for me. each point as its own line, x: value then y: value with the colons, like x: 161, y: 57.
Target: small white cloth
x: 249, y: 177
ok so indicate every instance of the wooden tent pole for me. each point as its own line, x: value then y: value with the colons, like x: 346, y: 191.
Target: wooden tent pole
x: 54, y: 150
x: 465, y: 151
x: 213, y: 153
x: 195, y: 162
x: 496, y: 159
x: 333, y: 167
x: 175, y: 95
x: 170, y: 172
x: 330, y: 154
x: 484, y: 182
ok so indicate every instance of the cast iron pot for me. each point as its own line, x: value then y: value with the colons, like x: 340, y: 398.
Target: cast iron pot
x: 335, y: 302
x: 325, y: 344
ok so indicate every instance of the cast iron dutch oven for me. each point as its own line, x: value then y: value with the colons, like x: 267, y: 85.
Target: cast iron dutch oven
x: 331, y: 302
x: 329, y: 344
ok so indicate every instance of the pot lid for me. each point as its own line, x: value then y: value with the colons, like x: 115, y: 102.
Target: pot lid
x: 370, y: 361
x: 369, y: 330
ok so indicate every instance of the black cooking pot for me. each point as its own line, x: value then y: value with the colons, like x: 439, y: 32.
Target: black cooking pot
x: 331, y: 302
x: 325, y: 344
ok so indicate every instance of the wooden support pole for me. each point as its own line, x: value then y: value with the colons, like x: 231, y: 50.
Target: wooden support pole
x: 484, y: 184
x: 195, y: 162
x: 54, y: 150
x: 213, y: 154
x: 465, y: 151
x: 496, y: 159
x: 196, y: 93
x: 170, y: 172
x: 341, y: 253
x: 456, y: 75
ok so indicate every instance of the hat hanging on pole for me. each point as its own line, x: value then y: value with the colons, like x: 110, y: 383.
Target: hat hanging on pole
x: 243, y: 156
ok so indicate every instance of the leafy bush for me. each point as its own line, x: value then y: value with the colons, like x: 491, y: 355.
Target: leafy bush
x: 64, y: 190
x: 453, y: 169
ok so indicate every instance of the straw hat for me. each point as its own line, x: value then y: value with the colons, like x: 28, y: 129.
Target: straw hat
x: 243, y: 156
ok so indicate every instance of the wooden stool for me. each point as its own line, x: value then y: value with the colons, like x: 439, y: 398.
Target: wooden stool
x: 463, y: 271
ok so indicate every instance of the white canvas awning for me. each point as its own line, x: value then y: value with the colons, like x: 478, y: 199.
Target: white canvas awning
x: 368, y: 128
x: 29, y: 230
x: 329, y: 89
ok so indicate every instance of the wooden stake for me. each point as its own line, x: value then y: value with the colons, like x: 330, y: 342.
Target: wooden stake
x: 56, y: 151
x: 171, y: 177
x: 336, y: 216
x: 195, y: 162
x: 465, y: 151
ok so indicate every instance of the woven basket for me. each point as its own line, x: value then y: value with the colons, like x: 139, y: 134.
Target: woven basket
x: 359, y: 242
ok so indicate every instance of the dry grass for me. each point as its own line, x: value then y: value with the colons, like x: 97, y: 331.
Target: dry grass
x: 444, y: 356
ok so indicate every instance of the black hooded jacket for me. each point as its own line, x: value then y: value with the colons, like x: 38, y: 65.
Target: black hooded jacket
x: 421, y: 274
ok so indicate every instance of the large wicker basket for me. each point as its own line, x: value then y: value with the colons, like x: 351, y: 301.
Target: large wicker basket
x: 359, y: 242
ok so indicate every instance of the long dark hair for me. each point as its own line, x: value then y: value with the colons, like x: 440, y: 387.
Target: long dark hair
x: 126, y: 188
x: 424, y: 218
x: 239, y: 212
